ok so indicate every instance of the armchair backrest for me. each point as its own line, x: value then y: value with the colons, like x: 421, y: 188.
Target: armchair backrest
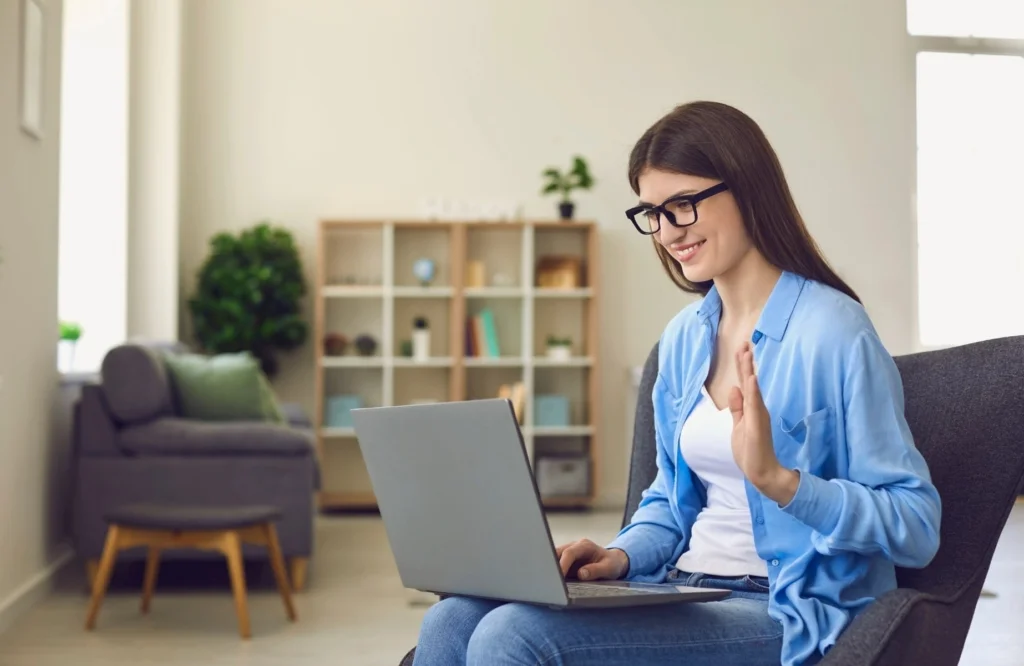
x: 965, y: 408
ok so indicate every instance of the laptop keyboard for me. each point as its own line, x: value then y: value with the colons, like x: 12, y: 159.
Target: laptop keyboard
x: 588, y: 590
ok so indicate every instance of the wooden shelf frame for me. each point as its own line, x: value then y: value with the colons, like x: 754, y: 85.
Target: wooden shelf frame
x: 524, y: 363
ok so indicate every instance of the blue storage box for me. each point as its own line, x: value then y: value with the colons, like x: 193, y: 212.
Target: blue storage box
x: 338, y: 412
x: 550, y: 410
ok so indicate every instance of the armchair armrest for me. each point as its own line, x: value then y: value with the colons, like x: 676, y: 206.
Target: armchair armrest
x: 172, y: 436
x: 883, y: 630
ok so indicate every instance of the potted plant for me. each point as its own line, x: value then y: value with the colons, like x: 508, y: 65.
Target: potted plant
x: 248, y: 295
x: 335, y: 344
x: 70, y: 332
x: 577, y: 178
x: 366, y: 345
x: 559, y: 348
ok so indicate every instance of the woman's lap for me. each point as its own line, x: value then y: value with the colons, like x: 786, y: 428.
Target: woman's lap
x: 736, y: 630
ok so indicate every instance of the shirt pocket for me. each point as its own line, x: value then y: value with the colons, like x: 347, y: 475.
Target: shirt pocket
x: 806, y: 443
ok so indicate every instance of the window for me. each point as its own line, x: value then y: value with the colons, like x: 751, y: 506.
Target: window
x: 970, y: 171
x: 93, y: 176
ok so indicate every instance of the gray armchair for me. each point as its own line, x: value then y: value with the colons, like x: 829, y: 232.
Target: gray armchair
x: 966, y: 412
x: 131, y: 445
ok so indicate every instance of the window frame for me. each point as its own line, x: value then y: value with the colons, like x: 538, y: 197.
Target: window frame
x: 942, y: 44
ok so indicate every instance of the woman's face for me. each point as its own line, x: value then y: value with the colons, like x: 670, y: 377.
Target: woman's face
x: 711, y: 247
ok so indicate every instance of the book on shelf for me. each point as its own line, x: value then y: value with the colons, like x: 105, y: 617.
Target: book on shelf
x: 482, y: 335
x: 516, y: 392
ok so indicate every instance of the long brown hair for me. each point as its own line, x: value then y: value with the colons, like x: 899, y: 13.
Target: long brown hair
x: 715, y: 140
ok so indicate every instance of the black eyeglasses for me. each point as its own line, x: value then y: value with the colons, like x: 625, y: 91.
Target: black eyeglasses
x: 680, y: 210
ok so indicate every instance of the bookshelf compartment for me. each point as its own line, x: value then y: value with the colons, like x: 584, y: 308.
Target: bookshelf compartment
x: 493, y: 257
x: 560, y: 399
x: 506, y: 315
x: 349, y: 388
x: 421, y: 384
x: 353, y: 256
x: 560, y: 257
x: 483, y: 383
x: 561, y: 319
x: 422, y: 241
x: 352, y: 318
x: 437, y: 312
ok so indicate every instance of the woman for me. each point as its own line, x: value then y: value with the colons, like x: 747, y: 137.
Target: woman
x: 786, y: 470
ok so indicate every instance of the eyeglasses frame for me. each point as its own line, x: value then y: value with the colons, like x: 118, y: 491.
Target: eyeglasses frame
x: 694, y: 199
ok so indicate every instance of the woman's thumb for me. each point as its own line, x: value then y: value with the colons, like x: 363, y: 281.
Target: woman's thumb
x: 594, y: 570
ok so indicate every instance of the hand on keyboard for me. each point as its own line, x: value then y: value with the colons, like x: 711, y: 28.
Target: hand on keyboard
x: 585, y: 560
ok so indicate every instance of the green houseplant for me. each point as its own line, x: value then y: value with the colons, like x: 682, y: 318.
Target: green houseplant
x: 577, y: 178
x: 70, y: 332
x: 248, y: 295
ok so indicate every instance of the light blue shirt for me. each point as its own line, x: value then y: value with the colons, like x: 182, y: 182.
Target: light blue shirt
x: 865, y: 502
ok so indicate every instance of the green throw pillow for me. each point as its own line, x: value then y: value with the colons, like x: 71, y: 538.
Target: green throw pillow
x: 224, y: 387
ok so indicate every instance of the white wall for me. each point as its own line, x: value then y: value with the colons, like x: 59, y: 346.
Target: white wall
x: 32, y: 483
x: 301, y: 109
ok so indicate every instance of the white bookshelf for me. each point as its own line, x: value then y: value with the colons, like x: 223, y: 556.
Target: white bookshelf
x: 365, y: 285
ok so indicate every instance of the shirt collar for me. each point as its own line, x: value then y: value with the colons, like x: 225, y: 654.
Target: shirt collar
x: 777, y: 310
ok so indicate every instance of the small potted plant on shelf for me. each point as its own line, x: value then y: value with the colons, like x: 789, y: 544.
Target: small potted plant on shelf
x: 366, y: 345
x: 578, y: 177
x: 70, y: 332
x: 335, y: 344
x: 559, y: 348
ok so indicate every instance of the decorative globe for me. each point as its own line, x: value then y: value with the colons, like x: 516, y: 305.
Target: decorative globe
x: 423, y: 270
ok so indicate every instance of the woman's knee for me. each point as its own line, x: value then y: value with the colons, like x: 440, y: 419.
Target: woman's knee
x: 456, y: 616
x: 511, y: 634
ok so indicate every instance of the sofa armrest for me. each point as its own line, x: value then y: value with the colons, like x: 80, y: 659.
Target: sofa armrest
x: 94, y: 431
x: 173, y: 436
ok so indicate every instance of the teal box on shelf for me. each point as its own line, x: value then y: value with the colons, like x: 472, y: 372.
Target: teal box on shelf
x: 550, y: 410
x: 339, y: 410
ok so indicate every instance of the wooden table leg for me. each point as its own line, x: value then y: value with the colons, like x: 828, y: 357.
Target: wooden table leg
x: 149, y: 582
x: 298, y: 567
x: 277, y: 564
x: 232, y: 549
x: 99, y: 586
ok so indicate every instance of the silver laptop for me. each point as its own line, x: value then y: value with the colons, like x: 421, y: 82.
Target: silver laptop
x: 462, y: 513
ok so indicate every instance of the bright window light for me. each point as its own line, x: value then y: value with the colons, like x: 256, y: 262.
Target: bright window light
x: 998, y: 19
x: 970, y: 210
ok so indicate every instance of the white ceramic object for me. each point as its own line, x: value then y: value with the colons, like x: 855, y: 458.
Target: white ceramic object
x: 560, y: 352
x: 421, y: 344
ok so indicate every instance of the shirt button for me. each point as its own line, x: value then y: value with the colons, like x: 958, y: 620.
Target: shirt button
x: 775, y: 563
x: 756, y: 337
x: 760, y: 520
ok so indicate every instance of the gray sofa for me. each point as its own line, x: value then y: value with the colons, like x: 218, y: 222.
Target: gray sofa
x: 131, y: 445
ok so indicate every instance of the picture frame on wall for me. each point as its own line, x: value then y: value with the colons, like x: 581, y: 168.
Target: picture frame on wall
x: 33, y: 66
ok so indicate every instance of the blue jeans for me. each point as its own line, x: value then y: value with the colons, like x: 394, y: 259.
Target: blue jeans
x: 734, y: 631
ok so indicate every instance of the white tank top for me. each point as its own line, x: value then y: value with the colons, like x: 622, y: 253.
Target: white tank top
x: 722, y: 541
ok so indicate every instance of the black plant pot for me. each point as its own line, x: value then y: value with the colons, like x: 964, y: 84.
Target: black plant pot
x: 565, y: 209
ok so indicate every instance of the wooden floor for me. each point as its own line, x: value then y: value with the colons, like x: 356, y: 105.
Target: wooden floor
x: 354, y: 611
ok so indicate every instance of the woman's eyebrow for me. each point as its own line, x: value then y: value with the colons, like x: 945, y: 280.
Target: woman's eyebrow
x: 680, y: 192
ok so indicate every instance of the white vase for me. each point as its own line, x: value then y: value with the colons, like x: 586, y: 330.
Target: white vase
x: 66, y: 355
x: 421, y: 344
x: 560, y: 352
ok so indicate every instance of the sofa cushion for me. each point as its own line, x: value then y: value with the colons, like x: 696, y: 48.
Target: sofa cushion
x: 135, y: 384
x: 175, y: 436
x: 224, y: 387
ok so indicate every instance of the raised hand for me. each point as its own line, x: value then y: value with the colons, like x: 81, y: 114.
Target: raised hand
x: 752, y: 445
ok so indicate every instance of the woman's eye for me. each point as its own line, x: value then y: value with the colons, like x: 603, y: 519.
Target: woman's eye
x: 682, y: 206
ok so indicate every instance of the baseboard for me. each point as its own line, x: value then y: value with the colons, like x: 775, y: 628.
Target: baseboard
x: 32, y: 591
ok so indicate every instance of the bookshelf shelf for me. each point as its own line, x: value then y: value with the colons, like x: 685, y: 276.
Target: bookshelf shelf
x: 500, y: 292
